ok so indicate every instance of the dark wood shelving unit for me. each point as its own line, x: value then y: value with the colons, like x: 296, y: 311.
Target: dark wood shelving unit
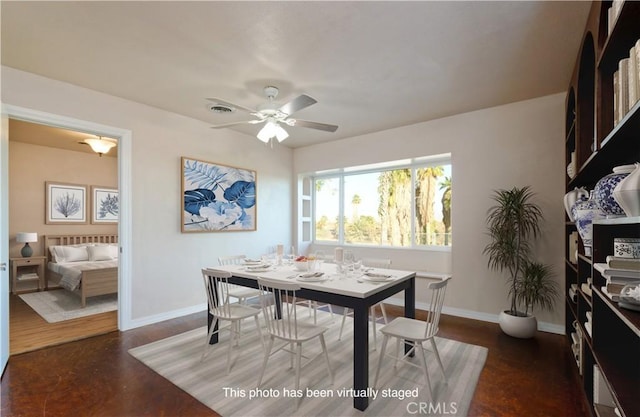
x: 600, y: 145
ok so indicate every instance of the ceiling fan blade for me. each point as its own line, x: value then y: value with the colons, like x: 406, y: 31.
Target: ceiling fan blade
x: 250, y: 122
x: 297, y: 103
x: 229, y: 104
x: 313, y: 125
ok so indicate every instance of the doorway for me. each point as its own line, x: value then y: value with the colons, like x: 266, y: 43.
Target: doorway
x: 124, y: 186
x: 34, y: 321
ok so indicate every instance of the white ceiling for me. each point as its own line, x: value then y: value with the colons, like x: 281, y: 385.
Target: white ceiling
x: 371, y: 65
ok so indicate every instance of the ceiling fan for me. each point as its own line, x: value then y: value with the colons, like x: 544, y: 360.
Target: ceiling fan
x: 272, y: 114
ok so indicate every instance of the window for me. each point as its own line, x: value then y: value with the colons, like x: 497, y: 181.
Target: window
x: 399, y: 204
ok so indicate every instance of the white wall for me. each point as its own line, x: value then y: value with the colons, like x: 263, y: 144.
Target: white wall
x: 502, y: 147
x: 166, y: 263
x: 512, y: 145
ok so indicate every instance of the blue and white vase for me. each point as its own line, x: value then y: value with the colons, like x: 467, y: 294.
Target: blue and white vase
x: 571, y: 198
x: 604, y: 191
x: 585, y: 212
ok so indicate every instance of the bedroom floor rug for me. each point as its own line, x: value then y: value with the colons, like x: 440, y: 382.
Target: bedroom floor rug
x: 178, y: 359
x: 59, y: 305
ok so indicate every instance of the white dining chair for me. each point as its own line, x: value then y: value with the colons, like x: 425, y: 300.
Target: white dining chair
x: 240, y: 293
x: 415, y: 332
x: 217, y: 287
x: 314, y: 306
x: 370, y: 263
x: 281, y: 315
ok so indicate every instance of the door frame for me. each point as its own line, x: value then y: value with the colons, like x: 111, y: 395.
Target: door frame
x: 124, y: 137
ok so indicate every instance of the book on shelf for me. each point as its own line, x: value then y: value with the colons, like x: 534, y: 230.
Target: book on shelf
x: 573, y: 248
x: 634, y: 81
x: 616, y: 274
x: 615, y: 287
x: 27, y: 276
x: 612, y: 296
x: 623, y: 87
x: 617, y: 262
x: 616, y: 98
x: 601, y: 393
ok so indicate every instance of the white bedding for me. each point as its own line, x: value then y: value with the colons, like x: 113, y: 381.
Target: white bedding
x: 72, y: 271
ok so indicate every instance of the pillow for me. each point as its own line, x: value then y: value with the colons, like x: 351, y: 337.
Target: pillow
x: 113, y: 249
x: 99, y: 253
x: 71, y: 254
x: 58, y: 252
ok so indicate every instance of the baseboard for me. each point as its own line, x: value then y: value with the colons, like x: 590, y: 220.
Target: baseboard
x: 476, y: 315
x: 458, y: 312
x: 174, y: 314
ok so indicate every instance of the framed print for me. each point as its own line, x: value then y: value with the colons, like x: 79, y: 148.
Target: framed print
x: 217, y: 198
x: 105, y: 204
x: 65, y: 203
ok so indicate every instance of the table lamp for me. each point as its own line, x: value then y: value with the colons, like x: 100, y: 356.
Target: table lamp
x: 26, y: 238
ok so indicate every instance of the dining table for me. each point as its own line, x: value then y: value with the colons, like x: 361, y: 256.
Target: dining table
x: 358, y: 290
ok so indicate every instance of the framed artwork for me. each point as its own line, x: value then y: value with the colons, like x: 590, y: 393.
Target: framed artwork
x: 65, y: 203
x: 105, y: 205
x: 217, y: 198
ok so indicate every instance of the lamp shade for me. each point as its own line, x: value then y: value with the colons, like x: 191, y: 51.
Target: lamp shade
x: 100, y: 145
x: 26, y: 237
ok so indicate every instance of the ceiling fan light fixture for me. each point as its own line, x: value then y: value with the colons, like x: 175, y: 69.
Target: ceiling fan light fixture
x: 281, y: 134
x: 272, y: 130
x: 267, y: 132
x: 99, y: 145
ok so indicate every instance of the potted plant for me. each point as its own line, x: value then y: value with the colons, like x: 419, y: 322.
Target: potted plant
x: 513, y: 224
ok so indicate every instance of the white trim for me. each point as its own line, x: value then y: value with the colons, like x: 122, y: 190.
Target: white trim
x: 476, y: 315
x: 124, y: 137
x: 147, y: 320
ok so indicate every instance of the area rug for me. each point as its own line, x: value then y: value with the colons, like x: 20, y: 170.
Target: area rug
x: 60, y: 305
x: 399, y: 393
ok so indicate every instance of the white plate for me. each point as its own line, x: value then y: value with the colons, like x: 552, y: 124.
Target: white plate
x: 252, y: 262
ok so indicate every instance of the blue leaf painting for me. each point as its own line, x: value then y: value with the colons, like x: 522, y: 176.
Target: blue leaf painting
x: 203, y: 174
x: 194, y: 200
x: 243, y: 193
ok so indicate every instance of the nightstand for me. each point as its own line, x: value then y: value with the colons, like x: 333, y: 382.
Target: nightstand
x: 27, y: 270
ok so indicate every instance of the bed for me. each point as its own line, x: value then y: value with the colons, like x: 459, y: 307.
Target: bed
x: 84, y: 264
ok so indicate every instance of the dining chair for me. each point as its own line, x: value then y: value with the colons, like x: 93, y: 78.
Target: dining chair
x: 281, y: 316
x: 370, y: 263
x: 240, y: 293
x: 217, y: 287
x: 314, y: 306
x: 414, y: 333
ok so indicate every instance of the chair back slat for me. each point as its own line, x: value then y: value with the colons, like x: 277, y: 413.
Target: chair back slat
x: 216, y: 283
x: 231, y: 260
x: 438, y: 290
x: 285, y: 327
x: 377, y: 263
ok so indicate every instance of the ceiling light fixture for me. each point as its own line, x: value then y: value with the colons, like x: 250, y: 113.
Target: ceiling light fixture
x: 99, y: 145
x: 272, y: 129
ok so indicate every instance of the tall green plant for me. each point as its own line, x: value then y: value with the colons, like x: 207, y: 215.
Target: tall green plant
x: 512, y: 223
x: 536, y: 288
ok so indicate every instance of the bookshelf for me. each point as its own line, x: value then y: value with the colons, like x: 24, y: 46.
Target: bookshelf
x: 607, y: 357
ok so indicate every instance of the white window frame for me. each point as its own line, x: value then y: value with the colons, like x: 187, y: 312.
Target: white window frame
x: 412, y: 164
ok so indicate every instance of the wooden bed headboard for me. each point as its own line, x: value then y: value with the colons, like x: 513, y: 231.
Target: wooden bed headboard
x: 64, y: 240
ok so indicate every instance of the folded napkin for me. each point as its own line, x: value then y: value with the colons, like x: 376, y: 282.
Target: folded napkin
x: 312, y: 275
x: 377, y: 275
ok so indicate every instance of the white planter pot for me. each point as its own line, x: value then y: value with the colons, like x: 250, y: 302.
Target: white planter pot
x: 521, y: 327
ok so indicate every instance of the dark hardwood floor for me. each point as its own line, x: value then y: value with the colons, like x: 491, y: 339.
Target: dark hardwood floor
x: 97, y: 377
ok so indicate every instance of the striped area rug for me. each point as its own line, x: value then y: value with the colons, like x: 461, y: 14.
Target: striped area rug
x: 400, y: 392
